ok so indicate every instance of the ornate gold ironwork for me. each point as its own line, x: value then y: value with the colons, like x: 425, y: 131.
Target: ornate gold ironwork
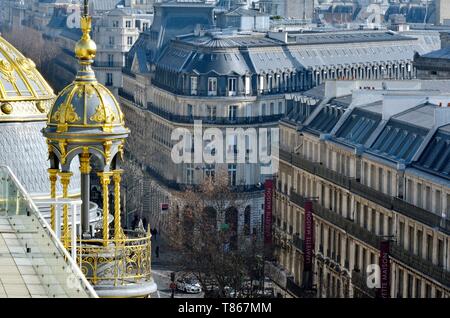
x: 103, y: 114
x: 27, y: 66
x: 7, y: 70
x: 65, y: 114
x: 65, y: 181
x: 117, y: 176
x: 62, y: 149
x: 107, y: 149
x: 120, y: 262
x: 85, y: 166
x: 105, y: 181
x: 40, y: 105
x: 53, y: 176
x: 121, y: 148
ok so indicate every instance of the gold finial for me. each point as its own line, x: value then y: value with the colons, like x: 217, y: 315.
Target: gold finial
x: 86, y: 49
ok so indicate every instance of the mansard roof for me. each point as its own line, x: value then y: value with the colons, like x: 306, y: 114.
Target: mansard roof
x: 259, y: 53
x: 359, y: 126
x: 435, y: 158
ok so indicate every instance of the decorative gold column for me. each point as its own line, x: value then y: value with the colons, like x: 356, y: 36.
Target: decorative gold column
x: 65, y: 181
x: 117, y: 176
x: 85, y: 169
x: 105, y: 181
x: 53, y: 176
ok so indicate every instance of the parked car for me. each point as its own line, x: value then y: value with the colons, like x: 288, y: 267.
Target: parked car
x: 189, y: 285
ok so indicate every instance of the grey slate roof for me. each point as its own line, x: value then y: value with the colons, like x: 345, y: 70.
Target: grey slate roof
x: 439, y: 54
x: 399, y: 141
x: 359, y: 126
x: 436, y: 156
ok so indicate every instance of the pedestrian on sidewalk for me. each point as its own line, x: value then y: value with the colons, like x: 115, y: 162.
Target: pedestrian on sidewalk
x: 157, y: 251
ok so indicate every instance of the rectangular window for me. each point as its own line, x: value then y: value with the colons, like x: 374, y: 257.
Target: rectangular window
x: 110, y: 59
x: 194, y: 85
x: 109, y: 79
x: 212, y: 112
x: 111, y: 40
x: 401, y: 235
x: 130, y: 40
x: 232, y: 112
x: 428, y: 198
x: 419, y: 195
x: 440, y: 253
x: 437, y: 204
x: 128, y: 24
x: 380, y: 180
x: 429, y: 248
x: 411, y: 239
x: 212, y: 86
x: 189, y: 173
x: 419, y: 242
x: 232, y: 174
x: 189, y: 110
x: 232, y: 85
x: 247, y: 83
x: 115, y: 24
x: 389, y: 183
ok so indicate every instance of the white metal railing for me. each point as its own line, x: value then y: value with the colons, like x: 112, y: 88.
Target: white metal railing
x: 70, y: 259
x: 74, y: 204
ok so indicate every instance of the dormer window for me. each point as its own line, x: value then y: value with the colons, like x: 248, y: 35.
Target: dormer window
x: 194, y: 85
x: 212, y: 86
x: 232, y: 85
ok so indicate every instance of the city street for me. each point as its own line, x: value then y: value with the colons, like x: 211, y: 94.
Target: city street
x: 161, y: 269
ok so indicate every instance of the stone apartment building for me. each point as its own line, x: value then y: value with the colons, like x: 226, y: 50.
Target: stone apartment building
x: 374, y: 158
x: 178, y: 72
x: 115, y: 33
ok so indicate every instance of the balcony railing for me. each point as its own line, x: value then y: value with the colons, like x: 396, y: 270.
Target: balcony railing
x: 120, y: 262
x: 208, y: 120
x: 387, y: 201
x: 397, y: 252
x: 422, y: 265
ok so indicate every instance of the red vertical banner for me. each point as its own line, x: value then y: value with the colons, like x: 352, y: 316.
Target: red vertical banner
x: 309, y: 237
x: 385, y: 270
x: 268, y: 196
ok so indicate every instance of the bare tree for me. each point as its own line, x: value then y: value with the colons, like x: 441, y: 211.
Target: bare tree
x: 204, y: 231
x: 43, y: 52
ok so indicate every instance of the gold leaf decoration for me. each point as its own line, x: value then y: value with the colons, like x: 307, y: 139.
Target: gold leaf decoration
x: 103, y: 114
x: 7, y: 71
x: 66, y: 114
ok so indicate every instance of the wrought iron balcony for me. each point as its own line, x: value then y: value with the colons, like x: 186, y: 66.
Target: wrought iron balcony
x: 397, y: 252
x: 121, y: 262
x: 352, y: 185
x: 208, y: 120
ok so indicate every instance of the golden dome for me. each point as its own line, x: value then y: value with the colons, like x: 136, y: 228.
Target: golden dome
x: 24, y: 93
x: 85, y: 105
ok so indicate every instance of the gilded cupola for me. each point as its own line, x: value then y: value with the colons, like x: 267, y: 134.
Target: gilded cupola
x: 85, y: 114
x: 24, y: 94
x: 86, y: 105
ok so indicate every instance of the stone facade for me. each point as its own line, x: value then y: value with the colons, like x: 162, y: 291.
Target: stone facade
x: 337, y: 147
